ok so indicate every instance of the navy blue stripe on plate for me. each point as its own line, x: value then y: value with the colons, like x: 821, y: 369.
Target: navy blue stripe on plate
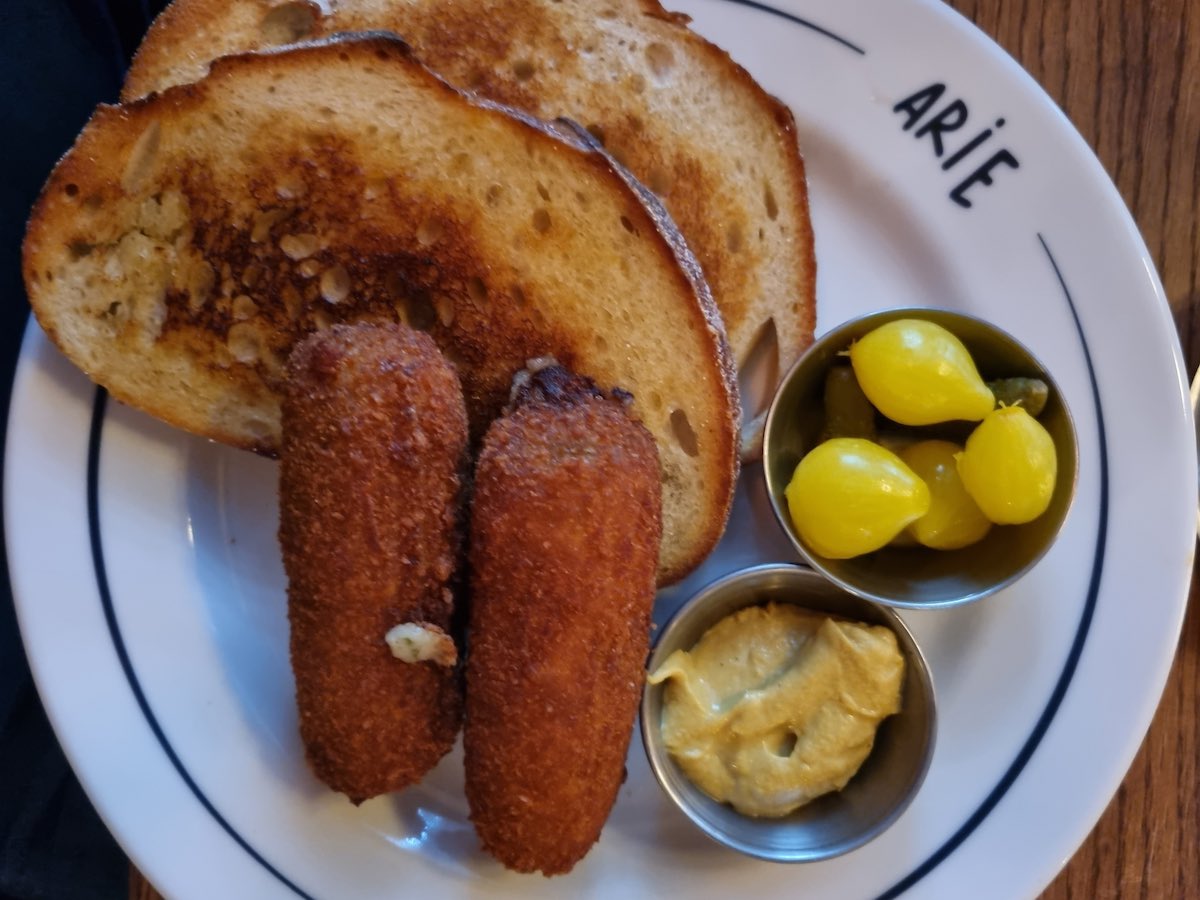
x: 1085, y: 622
x: 114, y: 630
x: 804, y: 23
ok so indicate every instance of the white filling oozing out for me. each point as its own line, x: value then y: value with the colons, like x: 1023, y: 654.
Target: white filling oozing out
x: 414, y: 642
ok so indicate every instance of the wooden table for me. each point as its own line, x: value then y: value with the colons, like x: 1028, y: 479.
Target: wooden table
x: 1127, y: 73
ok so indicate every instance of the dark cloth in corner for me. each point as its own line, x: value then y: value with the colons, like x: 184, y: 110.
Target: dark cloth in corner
x: 58, y: 59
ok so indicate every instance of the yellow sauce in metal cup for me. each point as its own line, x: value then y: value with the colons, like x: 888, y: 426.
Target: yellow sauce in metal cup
x: 775, y: 705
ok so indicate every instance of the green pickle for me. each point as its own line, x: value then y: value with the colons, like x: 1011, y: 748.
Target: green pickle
x: 1029, y: 393
x: 848, y: 412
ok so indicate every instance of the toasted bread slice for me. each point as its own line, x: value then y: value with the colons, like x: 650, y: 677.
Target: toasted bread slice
x: 687, y: 120
x: 188, y: 240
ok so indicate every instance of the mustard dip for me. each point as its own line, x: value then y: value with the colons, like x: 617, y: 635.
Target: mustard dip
x: 776, y: 705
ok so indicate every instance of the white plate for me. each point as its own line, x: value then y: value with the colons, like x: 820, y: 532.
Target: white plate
x: 151, y: 597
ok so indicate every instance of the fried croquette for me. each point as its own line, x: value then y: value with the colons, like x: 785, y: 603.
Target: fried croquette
x: 371, y: 475
x: 564, y: 538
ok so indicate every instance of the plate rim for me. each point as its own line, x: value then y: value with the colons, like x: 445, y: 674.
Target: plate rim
x: 1104, y: 184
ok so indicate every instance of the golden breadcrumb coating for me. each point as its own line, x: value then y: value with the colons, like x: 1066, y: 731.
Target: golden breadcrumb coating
x: 565, y: 531
x: 373, y: 450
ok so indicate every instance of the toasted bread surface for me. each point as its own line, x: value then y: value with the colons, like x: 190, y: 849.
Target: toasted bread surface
x: 188, y: 240
x: 684, y: 117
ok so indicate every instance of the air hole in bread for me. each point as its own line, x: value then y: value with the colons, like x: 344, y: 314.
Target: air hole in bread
x: 518, y: 295
x: 786, y: 744
x: 523, y: 70
x: 494, y: 192
x: 243, y: 307
x: 581, y: 197
x: 344, y: 57
x: 299, y: 246
x: 542, y: 192
x: 321, y: 319
x: 265, y: 221
x: 79, y: 249
x: 258, y: 429
x: 541, y: 221
x: 291, y: 187
x: 596, y: 131
x: 759, y: 373
x: 600, y: 343
x: 335, y: 284
x: 244, y: 342
x: 477, y: 291
x: 71, y: 190
x: 287, y: 23
x: 734, y: 237
x: 661, y: 59
x: 656, y: 400
x: 141, y: 158
x: 200, y: 281
x: 628, y: 225
x: 477, y: 79
x: 430, y: 231
x: 444, y: 305
x: 418, y: 311
x: 637, y: 82
x: 769, y: 201
x: 326, y: 111
x: 684, y: 435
